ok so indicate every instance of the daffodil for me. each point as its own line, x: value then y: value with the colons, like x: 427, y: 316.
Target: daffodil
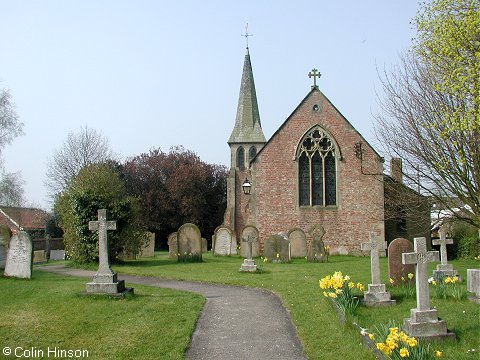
x: 438, y: 353
x: 404, y: 352
x: 412, y: 342
x: 371, y: 337
x: 392, y: 281
x: 410, y: 276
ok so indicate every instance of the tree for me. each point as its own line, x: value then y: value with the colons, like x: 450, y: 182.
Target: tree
x: 176, y: 188
x: 431, y: 118
x: 86, y: 147
x: 11, y: 184
x: 95, y: 187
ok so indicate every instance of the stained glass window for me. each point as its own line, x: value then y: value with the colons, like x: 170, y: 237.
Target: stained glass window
x: 240, y: 158
x: 252, y: 152
x: 317, y: 169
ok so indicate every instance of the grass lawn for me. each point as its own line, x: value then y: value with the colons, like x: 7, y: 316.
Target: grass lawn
x: 48, y: 311
x: 157, y: 323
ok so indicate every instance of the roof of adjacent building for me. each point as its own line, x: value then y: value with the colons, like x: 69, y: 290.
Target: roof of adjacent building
x: 20, y: 218
x: 248, y: 128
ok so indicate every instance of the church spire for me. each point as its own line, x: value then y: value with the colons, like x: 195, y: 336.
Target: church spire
x: 248, y: 128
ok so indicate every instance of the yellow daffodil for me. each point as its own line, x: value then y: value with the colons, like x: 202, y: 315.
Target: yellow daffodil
x: 410, y: 276
x: 403, y: 278
x: 392, y: 281
x: 371, y: 337
x: 404, y: 352
x: 351, y: 285
x: 412, y: 342
x: 438, y: 353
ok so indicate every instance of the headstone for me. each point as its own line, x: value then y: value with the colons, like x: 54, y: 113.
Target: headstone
x: 223, y: 241
x: 376, y: 294
x: 248, y: 263
x: 148, y: 250
x: 105, y: 280
x: 277, y: 248
x: 39, y: 257
x: 204, y: 245
x: 473, y: 284
x: 172, y: 246
x: 397, y: 270
x: 19, y: 256
x: 298, y: 243
x: 316, y: 251
x: 57, y: 254
x: 252, y: 232
x: 5, y: 235
x: 423, y: 321
x: 444, y: 268
x: 189, y: 240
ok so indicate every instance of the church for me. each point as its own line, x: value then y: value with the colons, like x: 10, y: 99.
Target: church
x: 316, y: 169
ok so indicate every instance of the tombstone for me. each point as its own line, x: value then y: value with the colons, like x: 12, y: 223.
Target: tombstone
x: 423, y: 321
x: 248, y: 263
x: 298, y: 243
x: 277, y: 248
x: 251, y: 231
x: 473, y: 284
x: 204, y: 245
x: 148, y: 250
x: 57, y: 254
x: 5, y: 235
x: 105, y: 280
x: 223, y: 241
x: 444, y: 269
x: 189, y: 240
x: 396, y: 268
x: 172, y: 246
x: 19, y: 256
x: 316, y: 250
x: 39, y: 257
x: 376, y: 294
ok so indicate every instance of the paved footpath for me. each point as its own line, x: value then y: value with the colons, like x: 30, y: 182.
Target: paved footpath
x: 236, y: 322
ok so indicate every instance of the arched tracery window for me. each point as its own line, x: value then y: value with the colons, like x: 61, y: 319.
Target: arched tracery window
x: 240, y: 158
x: 317, y: 173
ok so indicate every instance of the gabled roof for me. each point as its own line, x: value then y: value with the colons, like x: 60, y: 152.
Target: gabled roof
x: 23, y: 218
x: 314, y: 89
x: 248, y: 128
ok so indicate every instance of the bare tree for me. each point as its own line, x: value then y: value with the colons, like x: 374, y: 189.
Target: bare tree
x: 86, y: 147
x: 11, y: 190
x: 412, y: 125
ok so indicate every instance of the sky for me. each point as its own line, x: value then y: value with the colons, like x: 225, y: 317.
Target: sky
x: 155, y: 74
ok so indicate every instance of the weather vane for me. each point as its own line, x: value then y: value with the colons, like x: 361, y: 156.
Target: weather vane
x: 246, y: 35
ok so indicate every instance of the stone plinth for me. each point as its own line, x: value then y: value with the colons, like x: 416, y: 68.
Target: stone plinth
x: 107, y: 284
x: 473, y: 284
x: 425, y: 324
x: 377, y: 295
x: 444, y: 270
x: 248, y: 266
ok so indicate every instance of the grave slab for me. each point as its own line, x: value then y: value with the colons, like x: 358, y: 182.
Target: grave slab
x: 473, y: 284
x: 19, y: 256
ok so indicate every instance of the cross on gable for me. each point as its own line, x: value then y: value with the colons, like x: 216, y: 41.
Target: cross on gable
x: 420, y: 258
x: 314, y: 73
x: 443, y: 242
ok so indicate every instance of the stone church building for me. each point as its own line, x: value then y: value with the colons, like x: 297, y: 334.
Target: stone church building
x: 316, y: 169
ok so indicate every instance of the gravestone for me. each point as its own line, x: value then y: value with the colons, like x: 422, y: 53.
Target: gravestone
x: 251, y: 231
x: 397, y: 270
x: 423, y: 321
x: 189, y: 240
x: 298, y: 243
x: 248, y: 263
x: 444, y: 268
x: 376, y: 294
x: 39, y: 257
x: 57, y: 254
x: 277, y: 248
x: 148, y: 250
x: 105, y: 280
x: 223, y: 241
x: 5, y: 235
x: 316, y: 250
x: 172, y: 246
x: 19, y: 256
x: 473, y: 284
x: 204, y: 245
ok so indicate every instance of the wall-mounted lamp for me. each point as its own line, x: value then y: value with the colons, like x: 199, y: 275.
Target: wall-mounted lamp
x: 246, y: 186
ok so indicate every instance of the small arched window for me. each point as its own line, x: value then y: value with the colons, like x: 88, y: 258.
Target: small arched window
x: 240, y: 158
x: 317, y: 173
x: 252, y: 153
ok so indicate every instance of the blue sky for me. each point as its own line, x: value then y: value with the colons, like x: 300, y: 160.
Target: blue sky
x: 151, y: 74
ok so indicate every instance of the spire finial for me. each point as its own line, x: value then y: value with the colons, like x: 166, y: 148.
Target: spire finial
x: 314, y: 73
x: 246, y: 35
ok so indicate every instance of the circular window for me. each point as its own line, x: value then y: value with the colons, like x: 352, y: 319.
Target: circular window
x: 315, y: 107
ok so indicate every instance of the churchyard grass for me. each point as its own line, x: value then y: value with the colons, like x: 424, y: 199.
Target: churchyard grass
x: 48, y: 312
x: 317, y: 324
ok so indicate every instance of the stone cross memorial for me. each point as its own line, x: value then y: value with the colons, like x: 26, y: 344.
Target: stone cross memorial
x: 19, y: 256
x: 376, y: 294
x: 444, y: 268
x: 423, y: 321
x: 105, y: 280
x: 249, y: 263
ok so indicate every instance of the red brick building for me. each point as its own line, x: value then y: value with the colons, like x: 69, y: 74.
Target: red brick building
x: 315, y: 169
